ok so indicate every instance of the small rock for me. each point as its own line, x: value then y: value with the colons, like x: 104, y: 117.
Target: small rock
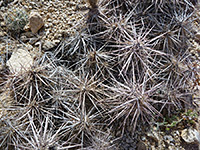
x: 56, y: 42
x: 35, y: 22
x: 143, y: 138
x: 190, y: 135
x: 168, y: 138
x: 3, y: 24
x: 49, y: 20
x: 20, y: 61
x: 2, y: 34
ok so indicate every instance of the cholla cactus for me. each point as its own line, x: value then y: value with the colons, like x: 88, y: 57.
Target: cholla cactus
x: 126, y: 65
x: 16, y: 19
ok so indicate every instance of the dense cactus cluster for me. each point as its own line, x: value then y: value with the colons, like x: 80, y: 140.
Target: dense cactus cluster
x: 128, y: 64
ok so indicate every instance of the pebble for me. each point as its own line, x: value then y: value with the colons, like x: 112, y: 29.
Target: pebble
x: 2, y: 34
x: 49, y: 20
x: 35, y: 22
x: 168, y: 138
x: 190, y: 135
x: 56, y: 41
x: 143, y: 138
x: 2, y: 24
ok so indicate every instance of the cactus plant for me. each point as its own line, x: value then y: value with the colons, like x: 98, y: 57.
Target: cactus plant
x: 16, y: 19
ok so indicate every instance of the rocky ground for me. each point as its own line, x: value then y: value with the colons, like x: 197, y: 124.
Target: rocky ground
x: 58, y: 19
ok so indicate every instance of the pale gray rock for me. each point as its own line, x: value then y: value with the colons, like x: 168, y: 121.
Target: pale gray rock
x: 20, y: 61
x: 190, y: 135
